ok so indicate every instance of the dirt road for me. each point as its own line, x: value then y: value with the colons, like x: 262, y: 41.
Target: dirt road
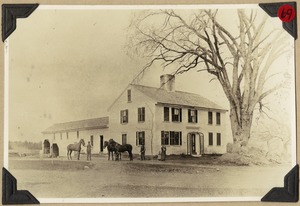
x: 102, y: 178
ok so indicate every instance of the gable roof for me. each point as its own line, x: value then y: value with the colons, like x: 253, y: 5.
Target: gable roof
x: 160, y: 95
x: 87, y: 124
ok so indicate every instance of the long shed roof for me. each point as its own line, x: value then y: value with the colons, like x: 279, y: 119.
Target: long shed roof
x: 87, y: 124
x: 160, y: 95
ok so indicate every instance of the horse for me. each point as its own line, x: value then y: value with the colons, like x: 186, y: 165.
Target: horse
x: 110, y: 150
x: 118, y: 148
x: 75, y: 147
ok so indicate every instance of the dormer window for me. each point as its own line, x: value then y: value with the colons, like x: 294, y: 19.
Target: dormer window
x: 129, y: 95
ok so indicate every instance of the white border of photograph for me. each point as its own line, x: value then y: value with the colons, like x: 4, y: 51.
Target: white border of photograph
x: 139, y: 200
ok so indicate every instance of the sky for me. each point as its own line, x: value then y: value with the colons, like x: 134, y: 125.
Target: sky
x: 67, y: 65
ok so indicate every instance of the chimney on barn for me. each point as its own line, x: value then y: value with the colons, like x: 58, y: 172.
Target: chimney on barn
x: 167, y: 82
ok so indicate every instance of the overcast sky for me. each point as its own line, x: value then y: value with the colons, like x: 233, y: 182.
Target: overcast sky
x: 67, y: 65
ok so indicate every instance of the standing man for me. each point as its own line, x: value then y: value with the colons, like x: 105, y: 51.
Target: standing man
x: 163, y: 153
x: 143, y: 152
x: 89, y: 151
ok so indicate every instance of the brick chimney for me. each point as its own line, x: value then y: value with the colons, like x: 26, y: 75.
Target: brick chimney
x: 167, y: 82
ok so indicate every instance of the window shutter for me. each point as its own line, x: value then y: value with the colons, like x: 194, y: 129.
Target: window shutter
x: 189, y: 116
x: 173, y: 110
x: 137, y: 136
x: 166, y: 113
x: 143, y: 142
x: 196, y: 113
x: 127, y: 115
x: 180, y: 139
x: 180, y: 115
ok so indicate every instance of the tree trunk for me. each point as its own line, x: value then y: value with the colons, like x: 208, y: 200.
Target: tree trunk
x: 240, y: 125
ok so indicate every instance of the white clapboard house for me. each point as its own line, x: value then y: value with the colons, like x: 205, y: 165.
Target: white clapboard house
x: 184, y: 123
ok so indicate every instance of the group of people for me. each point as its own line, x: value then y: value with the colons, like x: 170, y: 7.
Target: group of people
x: 142, y: 152
x: 162, y: 153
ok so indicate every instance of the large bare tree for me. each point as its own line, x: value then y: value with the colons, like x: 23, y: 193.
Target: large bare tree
x: 239, y: 59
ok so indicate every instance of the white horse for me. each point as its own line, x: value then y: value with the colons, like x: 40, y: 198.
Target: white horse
x: 75, y: 147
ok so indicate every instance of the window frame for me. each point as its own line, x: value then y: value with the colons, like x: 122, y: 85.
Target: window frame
x: 129, y: 95
x: 190, y: 116
x: 141, y: 114
x: 218, y: 118
x: 210, y: 139
x: 124, y: 135
x: 210, y: 118
x: 175, y: 135
x: 176, y: 117
x: 164, y: 138
x: 122, y: 116
x: 166, y: 114
x: 138, y: 138
x: 219, y: 139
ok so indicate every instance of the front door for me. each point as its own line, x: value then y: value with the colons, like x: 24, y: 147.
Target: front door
x: 101, y: 143
x: 193, y: 143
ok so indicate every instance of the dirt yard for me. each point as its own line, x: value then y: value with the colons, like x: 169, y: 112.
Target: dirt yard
x: 176, y: 177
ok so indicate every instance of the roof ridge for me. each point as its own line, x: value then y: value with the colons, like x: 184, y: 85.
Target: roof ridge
x: 148, y: 90
x: 81, y: 120
x: 174, y: 91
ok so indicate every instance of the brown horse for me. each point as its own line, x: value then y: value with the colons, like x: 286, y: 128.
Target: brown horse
x: 118, y: 148
x: 110, y: 150
x: 75, y: 147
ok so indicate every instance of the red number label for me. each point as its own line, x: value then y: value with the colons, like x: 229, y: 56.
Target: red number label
x: 286, y: 13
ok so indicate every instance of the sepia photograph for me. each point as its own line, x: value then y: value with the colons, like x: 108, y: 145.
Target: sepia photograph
x: 149, y: 103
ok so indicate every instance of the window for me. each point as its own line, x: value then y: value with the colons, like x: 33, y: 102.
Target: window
x: 176, y: 115
x: 192, y: 116
x: 141, y: 114
x: 165, y: 138
x: 124, y: 116
x: 140, y: 138
x: 129, y: 95
x: 92, y: 140
x: 77, y: 134
x: 218, y: 118
x: 166, y: 114
x: 210, y: 139
x: 210, y: 118
x: 124, y: 139
x: 171, y: 138
x: 218, y: 139
x: 175, y: 138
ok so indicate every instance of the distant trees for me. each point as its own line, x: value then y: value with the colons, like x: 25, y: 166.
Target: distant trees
x: 25, y: 145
